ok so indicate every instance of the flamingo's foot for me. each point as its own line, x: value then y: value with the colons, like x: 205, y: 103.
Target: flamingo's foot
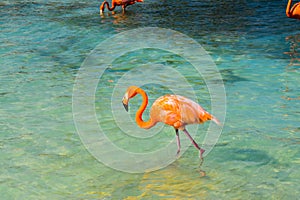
x: 201, y: 153
x: 201, y: 156
x: 178, y: 152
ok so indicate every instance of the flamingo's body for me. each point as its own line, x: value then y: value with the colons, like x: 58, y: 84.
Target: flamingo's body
x: 293, y: 12
x: 114, y: 3
x: 174, y: 110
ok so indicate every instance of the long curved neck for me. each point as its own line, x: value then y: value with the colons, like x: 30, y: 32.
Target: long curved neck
x: 288, y: 8
x: 105, y: 3
x: 138, y: 117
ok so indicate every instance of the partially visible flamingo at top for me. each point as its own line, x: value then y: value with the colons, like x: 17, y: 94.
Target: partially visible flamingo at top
x: 173, y: 110
x: 293, y: 12
x: 114, y: 3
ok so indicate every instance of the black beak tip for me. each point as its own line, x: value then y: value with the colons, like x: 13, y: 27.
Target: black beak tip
x: 125, y: 106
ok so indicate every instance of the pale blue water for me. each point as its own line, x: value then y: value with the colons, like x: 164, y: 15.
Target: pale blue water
x: 255, y: 47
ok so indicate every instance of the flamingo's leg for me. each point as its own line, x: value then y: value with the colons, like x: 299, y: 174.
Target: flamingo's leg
x: 124, y: 8
x: 178, y: 142
x: 194, y: 143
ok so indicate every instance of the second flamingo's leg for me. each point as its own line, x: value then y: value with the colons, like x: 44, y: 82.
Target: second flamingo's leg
x: 194, y: 143
x: 178, y: 142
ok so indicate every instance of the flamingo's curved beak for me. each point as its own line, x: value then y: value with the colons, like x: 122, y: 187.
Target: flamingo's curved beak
x: 125, y: 106
x: 125, y: 102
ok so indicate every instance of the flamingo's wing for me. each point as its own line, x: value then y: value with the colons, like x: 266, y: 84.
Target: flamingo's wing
x: 178, y: 111
x: 166, y: 109
x: 192, y: 112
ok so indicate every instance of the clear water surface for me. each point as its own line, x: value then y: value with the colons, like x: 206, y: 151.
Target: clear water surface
x: 255, y: 47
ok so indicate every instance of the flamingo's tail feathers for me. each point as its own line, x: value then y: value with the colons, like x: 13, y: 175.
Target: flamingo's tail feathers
x: 208, y: 116
x: 214, y: 119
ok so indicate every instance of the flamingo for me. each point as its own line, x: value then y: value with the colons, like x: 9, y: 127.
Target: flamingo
x: 173, y: 110
x: 114, y: 3
x: 293, y: 12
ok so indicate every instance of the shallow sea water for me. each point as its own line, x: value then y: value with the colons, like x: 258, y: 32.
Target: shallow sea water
x: 255, y: 48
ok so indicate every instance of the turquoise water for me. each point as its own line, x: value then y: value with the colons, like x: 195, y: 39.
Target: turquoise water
x: 254, y: 46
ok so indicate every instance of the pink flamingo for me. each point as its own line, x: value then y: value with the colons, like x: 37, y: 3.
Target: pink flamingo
x: 293, y: 12
x: 173, y: 110
x: 114, y: 3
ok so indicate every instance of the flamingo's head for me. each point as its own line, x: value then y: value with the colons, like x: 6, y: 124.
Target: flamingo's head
x: 130, y: 93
